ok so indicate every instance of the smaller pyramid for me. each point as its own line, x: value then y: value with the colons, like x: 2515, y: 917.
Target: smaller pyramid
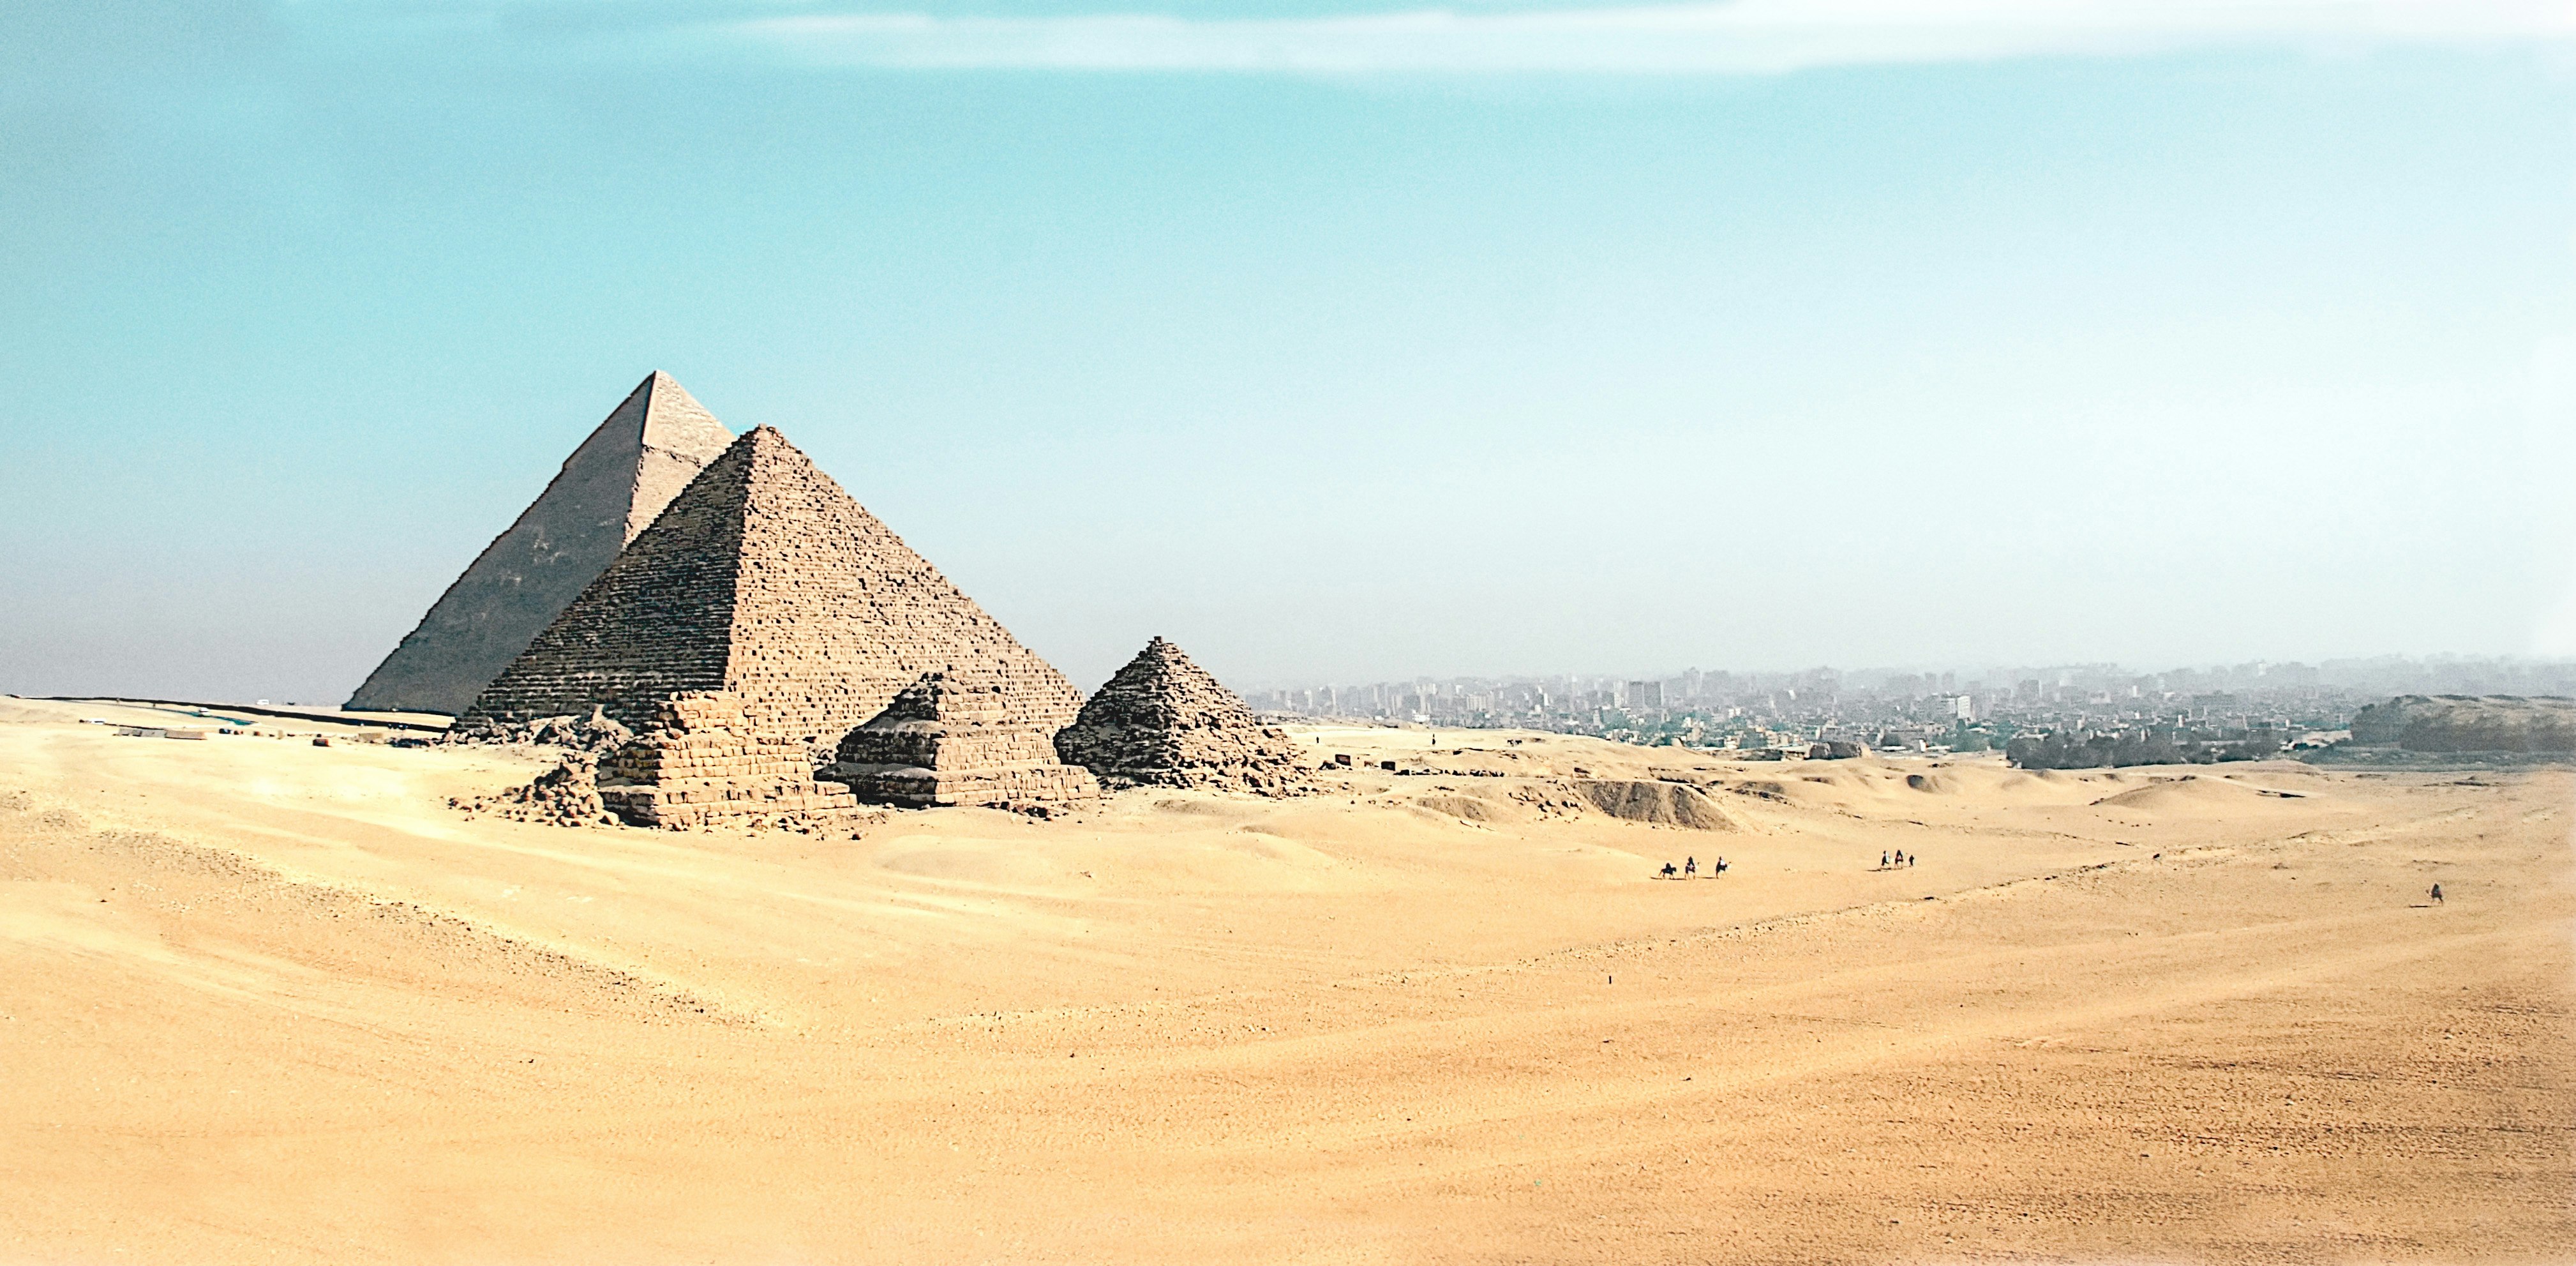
x: 702, y: 765
x: 955, y: 738
x: 1162, y: 721
x: 607, y: 493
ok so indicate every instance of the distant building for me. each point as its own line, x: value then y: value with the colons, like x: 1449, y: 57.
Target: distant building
x: 1645, y: 694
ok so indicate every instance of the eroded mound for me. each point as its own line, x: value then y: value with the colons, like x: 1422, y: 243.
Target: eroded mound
x: 1660, y: 803
x: 2190, y: 792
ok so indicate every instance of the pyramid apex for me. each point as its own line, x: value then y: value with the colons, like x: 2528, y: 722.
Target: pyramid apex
x: 654, y: 384
x: 610, y: 488
x: 1163, y: 650
x: 769, y: 442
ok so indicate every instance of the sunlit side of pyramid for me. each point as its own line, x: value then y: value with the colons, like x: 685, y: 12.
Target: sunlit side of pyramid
x: 607, y: 493
x: 764, y: 579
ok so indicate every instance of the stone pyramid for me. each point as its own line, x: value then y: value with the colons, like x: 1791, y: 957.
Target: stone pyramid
x: 955, y: 738
x: 607, y: 493
x: 702, y: 765
x: 765, y: 580
x: 1163, y: 721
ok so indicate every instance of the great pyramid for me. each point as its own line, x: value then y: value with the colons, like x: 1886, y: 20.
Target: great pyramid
x: 1163, y: 721
x: 765, y: 580
x: 954, y: 738
x: 607, y: 493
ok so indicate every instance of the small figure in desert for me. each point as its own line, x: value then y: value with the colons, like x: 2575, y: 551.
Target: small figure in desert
x: 2437, y: 894
x: 1668, y: 870
x: 1719, y: 868
x: 1882, y: 859
x: 1690, y: 867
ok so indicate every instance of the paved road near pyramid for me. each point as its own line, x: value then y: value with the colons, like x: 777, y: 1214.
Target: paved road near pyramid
x: 607, y: 493
x: 763, y: 578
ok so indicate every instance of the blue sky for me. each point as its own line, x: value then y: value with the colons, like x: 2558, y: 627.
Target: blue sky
x: 1333, y: 341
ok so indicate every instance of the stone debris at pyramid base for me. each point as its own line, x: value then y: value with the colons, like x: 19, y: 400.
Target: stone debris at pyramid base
x: 1039, y: 791
x: 702, y: 765
x: 1163, y: 721
x: 955, y: 738
x: 600, y: 735
x: 567, y: 795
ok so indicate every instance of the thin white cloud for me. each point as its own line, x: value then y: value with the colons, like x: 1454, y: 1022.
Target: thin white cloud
x: 1713, y: 36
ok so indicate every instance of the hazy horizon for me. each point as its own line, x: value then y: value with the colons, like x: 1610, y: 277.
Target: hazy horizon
x: 1337, y: 342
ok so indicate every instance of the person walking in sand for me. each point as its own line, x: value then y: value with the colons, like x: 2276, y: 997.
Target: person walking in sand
x: 1882, y: 859
x: 2437, y: 894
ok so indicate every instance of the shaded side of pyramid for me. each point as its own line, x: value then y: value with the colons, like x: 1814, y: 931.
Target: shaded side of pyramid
x: 766, y: 580
x: 607, y: 493
x: 1164, y: 721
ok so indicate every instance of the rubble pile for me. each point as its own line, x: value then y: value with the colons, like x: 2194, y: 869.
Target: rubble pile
x: 567, y: 795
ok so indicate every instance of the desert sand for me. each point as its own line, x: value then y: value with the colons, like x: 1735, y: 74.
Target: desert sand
x: 263, y: 1001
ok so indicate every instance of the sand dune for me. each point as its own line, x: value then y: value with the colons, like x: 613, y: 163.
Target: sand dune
x: 266, y: 1001
x: 2198, y: 793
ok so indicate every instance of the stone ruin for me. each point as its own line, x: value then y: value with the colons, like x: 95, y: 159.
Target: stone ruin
x: 597, y: 736
x: 1164, y: 721
x: 703, y: 763
x: 959, y: 738
x: 566, y: 795
x: 608, y: 491
x: 764, y: 580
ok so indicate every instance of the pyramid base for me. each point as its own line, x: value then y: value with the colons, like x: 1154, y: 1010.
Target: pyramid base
x: 1033, y: 788
x: 1259, y: 780
x: 700, y: 803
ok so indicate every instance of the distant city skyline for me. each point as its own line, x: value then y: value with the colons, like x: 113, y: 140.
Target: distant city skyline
x: 2061, y: 716
x: 2431, y: 671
